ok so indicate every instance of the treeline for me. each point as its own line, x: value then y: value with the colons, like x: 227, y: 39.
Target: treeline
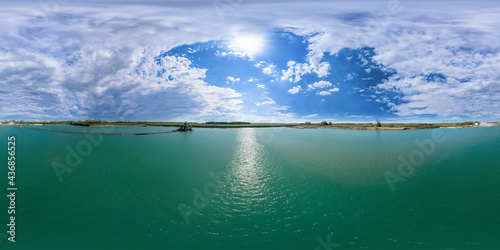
x: 467, y: 123
x: 218, y: 123
x: 379, y: 124
x: 89, y: 123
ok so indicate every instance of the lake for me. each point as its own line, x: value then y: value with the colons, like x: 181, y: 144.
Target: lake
x: 254, y: 188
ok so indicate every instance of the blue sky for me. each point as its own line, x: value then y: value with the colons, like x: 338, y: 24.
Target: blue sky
x: 227, y: 60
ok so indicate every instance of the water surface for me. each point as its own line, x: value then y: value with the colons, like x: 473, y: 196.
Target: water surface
x: 279, y: 188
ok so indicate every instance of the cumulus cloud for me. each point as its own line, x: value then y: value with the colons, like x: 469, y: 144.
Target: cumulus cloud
x: 82, y: 60
x: 87, y: 62
x: 295, y: 71
x: 319, y: 85
x: 322, y: 85
x: 260, y: 64
x: 261, y: 86
x: 417, y: 41
x: 268, y: 102
x: 231, y: 79
x: 269, y: 70
x: 295, y: 90
x: 78, y: 78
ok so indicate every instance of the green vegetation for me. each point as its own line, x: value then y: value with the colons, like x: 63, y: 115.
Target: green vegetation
x: 468, y: 123
x: 387, y: 125
x: 219, y: 123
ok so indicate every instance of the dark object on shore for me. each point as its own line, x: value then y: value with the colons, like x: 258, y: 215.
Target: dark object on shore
x: 185, y: 127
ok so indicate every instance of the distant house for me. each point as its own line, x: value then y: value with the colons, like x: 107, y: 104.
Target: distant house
x: 1, y: 123
x: 11, y: 123
x: 476, y: 124
x: 486, y: 124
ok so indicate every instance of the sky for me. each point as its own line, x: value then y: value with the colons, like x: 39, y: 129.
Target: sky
x: 255, y: 61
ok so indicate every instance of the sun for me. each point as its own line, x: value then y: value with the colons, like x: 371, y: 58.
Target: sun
x: 251, y: 44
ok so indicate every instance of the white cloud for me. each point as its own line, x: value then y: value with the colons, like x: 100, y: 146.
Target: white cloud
x: 311, y: 116
x: 360, y: 116
x: 319, y: 85
x: 296, y: 70
x: 260, y: 64
x: 261, y: 86
x: 231, y: 79
x: 324, y: 93
x: 334, y: 90
x: 269, y: 70
x: 282, y: 108
x: 295, y: 90
x: 419, y: 41
x: 268, y: 102
x: 84, y: 60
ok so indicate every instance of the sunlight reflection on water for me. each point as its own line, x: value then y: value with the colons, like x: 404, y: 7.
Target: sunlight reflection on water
x: 248, y: 165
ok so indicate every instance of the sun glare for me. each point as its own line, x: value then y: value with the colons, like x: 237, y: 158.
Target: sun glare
x: 248, y: 44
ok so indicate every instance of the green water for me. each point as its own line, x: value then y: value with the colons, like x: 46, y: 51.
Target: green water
x: 265, y: 189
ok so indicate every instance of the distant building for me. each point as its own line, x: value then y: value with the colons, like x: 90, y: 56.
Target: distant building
x: 476, y: 124
x: 11, y: 123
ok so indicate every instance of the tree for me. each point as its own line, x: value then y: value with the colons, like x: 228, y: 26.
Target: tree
x: 378, y: 123
x: 330, y: 123
x: 308, y: 123
x: 324, y: 123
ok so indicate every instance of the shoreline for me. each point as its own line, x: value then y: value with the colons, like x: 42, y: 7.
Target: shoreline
x: 196, y: 126
x: 398, y: 128
x: 382, y: 128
